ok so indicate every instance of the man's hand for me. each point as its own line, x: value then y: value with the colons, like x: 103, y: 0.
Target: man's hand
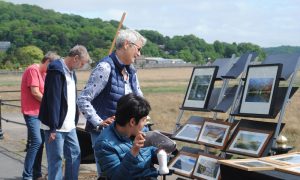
x: 138, y: 143
x: 52, y: 137
x: 107, y: 121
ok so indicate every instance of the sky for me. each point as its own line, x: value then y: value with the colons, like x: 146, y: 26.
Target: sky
x: 267, y: 23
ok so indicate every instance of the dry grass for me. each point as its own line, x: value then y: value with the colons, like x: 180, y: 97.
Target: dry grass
x: 165, y: 90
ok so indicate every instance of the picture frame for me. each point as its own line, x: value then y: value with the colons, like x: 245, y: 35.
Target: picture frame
x: 188, y: 132
x: 214, y: 133
x: 200, y: 87
x: 183, y: 164
x: 252, y: 164
x: 249, y: 142
x: 289, y: 169
x: 260, y: 88
x: 284, y: 159
x: 207, y: 167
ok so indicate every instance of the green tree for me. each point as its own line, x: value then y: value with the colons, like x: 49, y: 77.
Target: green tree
x: 28, y: 55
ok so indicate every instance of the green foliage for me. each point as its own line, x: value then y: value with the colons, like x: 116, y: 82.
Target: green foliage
x: 26, y: 25
x: 28, y: 55
x: 282, y: 49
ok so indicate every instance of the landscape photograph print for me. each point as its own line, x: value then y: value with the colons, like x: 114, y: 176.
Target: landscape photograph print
x: 249, y: 164
x: 214, y: 134
x: 284, y: 159
x: 249, y: 142
x: 259, y: 90
x: 259, y: 93
x: 199, y: 89
x: 183, y: 164
x: 188, y: 132
x: 207, y: 168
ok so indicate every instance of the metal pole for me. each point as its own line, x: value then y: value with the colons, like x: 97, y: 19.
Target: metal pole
x: 224, y: 87
x: 178, y: 120
x: 221, y: 96
x: 1, y: 133
x: 287, y: 96
x: 237, y: 94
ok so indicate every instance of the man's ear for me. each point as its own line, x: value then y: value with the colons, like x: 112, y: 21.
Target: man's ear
x: 131, y: 122
x: 126, y: 44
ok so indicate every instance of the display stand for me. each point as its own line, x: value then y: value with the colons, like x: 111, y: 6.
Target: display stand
x: 228, y: 69
x: 229, y: 98
x: 289, y: 71
x: 289, y: 62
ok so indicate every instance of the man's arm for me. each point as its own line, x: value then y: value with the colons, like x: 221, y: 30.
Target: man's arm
x: 110, y: 162
x: 96, y: 83
x: 36, y: 93
x: 34, y: 84
x: 53, y: 83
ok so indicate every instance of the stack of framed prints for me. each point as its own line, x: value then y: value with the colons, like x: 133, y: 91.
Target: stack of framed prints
x: 290, y: 169
x: 188, y: 132
x: 260, y: 88
x: 200, y: 88
x: 214, y: 133
x: 249, y: 142
x: 249, y: 164
x: 183, y: 164
x: 284, y: 159
x: 207, y: 167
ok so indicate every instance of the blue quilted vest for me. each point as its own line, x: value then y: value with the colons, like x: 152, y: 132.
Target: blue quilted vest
x: 105, y: 103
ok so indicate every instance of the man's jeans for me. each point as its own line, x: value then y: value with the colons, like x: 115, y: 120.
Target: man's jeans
x: 65, y: 145
x: 94, y: 135
x: 33, y: 159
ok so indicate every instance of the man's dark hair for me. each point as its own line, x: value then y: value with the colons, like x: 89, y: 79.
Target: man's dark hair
x: 131, y: 106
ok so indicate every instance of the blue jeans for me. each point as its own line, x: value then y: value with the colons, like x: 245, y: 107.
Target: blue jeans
x: 65, y: 145
x: 33, y: 159
x: 94, y: 135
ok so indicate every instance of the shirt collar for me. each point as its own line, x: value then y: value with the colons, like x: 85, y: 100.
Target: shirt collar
x: 66, y: 69
x: 121, y: 137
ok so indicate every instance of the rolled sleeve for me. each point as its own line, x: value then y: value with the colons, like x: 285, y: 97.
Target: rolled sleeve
x: 139, y: 91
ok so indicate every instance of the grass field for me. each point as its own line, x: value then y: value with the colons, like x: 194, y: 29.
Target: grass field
x: 165, y: 89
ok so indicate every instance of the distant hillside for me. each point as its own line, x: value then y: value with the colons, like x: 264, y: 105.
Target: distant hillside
x: 282, y: 50
x: 28, y: 25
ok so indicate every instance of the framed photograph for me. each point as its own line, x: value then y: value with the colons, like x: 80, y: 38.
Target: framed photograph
x: 249, y: 164
x: 259, y: 90
x: 207, y: 167
x: 200, y: 87
x: 249, y: 142
x: 214, y: 133
x: 189, y: 132
x: 183, y: 164
x: 289, y: 169
x: 284, y: 159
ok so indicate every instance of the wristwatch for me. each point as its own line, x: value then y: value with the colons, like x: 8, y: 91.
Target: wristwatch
x: 98, y: 127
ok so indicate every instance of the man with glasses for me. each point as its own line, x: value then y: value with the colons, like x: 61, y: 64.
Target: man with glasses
x: 113, y: 77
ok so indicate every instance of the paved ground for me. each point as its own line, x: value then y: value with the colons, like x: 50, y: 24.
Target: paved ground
x: 12, y: 153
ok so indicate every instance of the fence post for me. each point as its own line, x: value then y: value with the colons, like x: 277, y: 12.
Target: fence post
x: 1, y: 133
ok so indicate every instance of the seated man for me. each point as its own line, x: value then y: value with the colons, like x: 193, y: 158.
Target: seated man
x: 119, y: 148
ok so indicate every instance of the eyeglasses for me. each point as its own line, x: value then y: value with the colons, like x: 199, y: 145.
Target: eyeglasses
x: 137, y: 47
